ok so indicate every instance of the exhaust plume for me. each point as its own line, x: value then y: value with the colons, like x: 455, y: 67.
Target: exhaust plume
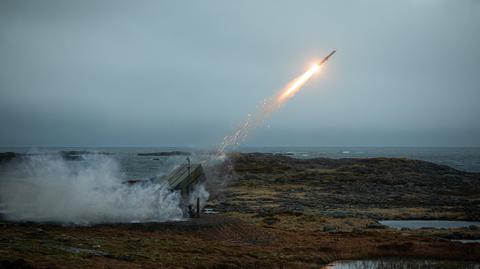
x: 46, y: 188
x: 268, y: 106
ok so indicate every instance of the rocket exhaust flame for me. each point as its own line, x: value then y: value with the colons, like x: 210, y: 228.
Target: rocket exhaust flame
x: 268, y: 106
x: 297, y: 84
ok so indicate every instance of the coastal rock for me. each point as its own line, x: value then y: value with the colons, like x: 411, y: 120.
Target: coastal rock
x: 271, y: 220
x: 17, y: 264
x: 357, y: 230
x: 376, y: 226
x: 473, y: 227
x: 166, y: 153
x: 337, y: 214
x: 8, y: 156
x: 78, y: 155
x: 329, y: 228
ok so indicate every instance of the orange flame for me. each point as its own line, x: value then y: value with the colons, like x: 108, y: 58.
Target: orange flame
x: 295, y: 86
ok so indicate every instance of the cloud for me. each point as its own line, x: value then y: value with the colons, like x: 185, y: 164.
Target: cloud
x: 183, y: 73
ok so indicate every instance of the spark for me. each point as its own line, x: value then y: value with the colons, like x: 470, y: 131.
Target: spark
x: 266, y: 108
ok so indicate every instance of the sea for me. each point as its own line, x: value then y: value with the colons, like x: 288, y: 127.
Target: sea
x: 136, y: 166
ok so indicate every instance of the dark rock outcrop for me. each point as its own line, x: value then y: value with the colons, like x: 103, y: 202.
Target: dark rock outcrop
x: 8, y: 156
x: 165, y: 153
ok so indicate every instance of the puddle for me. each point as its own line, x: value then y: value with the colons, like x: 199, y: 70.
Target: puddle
x: 209, y: 211
x: 467, y: 241
x: 437, y: 224
x: 84, y: 250
x: 401, y: 264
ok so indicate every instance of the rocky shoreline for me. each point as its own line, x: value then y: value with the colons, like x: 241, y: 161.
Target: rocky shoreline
x: 378, y: 188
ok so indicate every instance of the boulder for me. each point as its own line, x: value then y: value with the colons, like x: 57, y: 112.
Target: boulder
x: 329, y: 228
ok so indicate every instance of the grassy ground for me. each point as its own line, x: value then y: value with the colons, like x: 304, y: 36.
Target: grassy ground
x: 224, y: 243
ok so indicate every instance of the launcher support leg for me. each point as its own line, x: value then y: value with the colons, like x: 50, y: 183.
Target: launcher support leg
x: 198, y: 207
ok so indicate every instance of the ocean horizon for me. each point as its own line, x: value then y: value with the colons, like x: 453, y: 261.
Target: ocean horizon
x: 461, y: 158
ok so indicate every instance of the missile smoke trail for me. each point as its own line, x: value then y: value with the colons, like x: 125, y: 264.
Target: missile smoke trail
x: 268, y: 106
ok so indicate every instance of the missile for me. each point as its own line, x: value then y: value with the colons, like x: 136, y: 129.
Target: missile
x: 326, y: 58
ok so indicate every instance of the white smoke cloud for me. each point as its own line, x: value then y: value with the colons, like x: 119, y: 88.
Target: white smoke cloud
x: 45, y: 188
x: 199, y: 191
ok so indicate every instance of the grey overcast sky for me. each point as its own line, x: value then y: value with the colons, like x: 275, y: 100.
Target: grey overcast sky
x: 186, y: 73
